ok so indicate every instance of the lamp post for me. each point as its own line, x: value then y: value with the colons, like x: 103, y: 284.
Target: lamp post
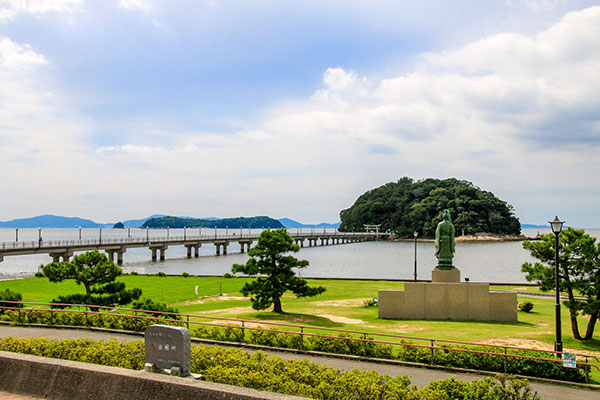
x: 556, y: 226
x: 415, y: 233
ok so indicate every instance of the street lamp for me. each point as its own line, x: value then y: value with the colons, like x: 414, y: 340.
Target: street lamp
x: 415, y: 233
x: 556, y: 226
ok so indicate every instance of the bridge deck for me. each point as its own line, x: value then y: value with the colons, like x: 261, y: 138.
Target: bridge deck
x: 66, y: 248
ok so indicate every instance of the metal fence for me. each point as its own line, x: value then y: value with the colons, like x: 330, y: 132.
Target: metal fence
x: 141, y: 318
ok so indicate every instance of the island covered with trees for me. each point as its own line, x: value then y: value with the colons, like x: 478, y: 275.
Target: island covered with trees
x: 408, y: 206
x: 233, y: 223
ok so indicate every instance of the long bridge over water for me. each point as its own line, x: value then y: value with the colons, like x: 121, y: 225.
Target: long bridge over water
x: 64, y: 249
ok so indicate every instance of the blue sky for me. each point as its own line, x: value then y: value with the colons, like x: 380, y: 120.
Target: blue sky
x: 120, y: 109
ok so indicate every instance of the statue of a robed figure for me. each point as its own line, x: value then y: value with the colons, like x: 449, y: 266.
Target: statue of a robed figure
x: 444, y: 242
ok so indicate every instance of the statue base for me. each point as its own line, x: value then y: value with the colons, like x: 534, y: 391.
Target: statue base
x: 446, y: 298
x: 445, y: 275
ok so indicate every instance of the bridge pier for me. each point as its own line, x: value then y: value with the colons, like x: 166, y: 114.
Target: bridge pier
x: 195, y: 248
x: 66, y: 256
x: 246, y: 244
x: 162, y: 249
x: 218, y: 246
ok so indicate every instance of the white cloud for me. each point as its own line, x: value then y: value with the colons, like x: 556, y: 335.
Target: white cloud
x: 506, y: 112
x: 9, y: 9
x: 16, y: 56
x: 132, y: 5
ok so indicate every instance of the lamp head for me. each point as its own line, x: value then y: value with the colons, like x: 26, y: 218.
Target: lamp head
x: 556, y: 225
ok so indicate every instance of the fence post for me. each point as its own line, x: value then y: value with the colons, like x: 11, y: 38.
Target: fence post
x: 505, y: 360
x: 586, y: 368
x: 301, y: 338
x: 19, y: 311
x: 135, y: 321
x: 243, y: 333
x: 51, y: 317
x: 432, y: 351
x: 365, y: 345
x: 86, y: 318
x: 188, y: 322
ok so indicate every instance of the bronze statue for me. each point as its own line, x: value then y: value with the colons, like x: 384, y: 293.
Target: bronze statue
x: 444, y: 242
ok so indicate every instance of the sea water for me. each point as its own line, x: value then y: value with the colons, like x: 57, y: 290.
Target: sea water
x: 478, y: 261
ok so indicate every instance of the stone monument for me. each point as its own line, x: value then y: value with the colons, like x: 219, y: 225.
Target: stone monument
x: 445, y: 247
x: 168, y: 347
x: 446, y: 297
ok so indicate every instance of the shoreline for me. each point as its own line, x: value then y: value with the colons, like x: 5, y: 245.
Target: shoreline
x: 474, y: 238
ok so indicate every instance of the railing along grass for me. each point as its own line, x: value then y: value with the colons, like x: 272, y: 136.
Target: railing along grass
x: 497, y: 358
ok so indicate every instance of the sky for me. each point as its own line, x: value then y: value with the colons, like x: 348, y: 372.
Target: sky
x: 120, y: 109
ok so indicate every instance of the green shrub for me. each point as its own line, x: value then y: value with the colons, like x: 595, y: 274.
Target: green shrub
x: 227, y: 275
x: 495, y: 362
x: 9, y: 295
x: 185, y: 274
x: 150, y: 305
x: 270, y: 373
x: 161, y: 274
x: 134, y: 273
x: 525, y: 306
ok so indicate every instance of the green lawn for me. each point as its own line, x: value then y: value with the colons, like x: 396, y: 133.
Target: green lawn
x: 339, y: 307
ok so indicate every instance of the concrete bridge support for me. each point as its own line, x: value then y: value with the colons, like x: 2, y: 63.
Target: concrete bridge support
x: 119, y: 252
x: 66, y: 256
x: 195, y: 248
x: 245, y: 244
x: 218, y: 246
x: 162, y: 249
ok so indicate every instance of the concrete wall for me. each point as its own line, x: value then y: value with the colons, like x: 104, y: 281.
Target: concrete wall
x: 59, y: 379
x: 454, y: 301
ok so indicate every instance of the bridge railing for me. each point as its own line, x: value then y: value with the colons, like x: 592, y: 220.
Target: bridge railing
x: 143, y: 240
x: 47, y: 313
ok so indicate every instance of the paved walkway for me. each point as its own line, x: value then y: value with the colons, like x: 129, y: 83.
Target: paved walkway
x: 418, y: 376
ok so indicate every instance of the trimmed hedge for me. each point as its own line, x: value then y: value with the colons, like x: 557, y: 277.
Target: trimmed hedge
x: 266, y: 372
x: 337, y: 345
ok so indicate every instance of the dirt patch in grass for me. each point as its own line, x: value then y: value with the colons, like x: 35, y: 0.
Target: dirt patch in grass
x: 399, y: 329
x: 204, y: 299
x: 224, y: 312
x: 339, y: 303
x: 342, y: 320
x: 520, y: 342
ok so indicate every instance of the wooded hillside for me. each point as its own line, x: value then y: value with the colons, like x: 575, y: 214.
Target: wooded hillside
x: 406, y: 206
x: 233, y: 223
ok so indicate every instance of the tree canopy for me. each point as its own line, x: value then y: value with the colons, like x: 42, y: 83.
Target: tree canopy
x: 97, y: 274
x: 272, y: 265
x: 406, y: 206
x: 579, y: 271
x: 233, y: 223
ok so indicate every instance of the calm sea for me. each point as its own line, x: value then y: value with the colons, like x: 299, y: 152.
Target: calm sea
x: 480, y: 262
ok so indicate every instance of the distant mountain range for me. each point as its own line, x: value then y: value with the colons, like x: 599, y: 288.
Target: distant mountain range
x: 56, y: 221
x: 530, y: 226
x: 290, y: 223
x: 51, y: 221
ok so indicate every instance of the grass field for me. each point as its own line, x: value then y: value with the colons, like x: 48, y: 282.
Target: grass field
x: 341, y: 306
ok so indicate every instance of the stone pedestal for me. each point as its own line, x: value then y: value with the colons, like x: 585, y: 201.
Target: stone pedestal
x: 447, y: 300
x: 445, y: 275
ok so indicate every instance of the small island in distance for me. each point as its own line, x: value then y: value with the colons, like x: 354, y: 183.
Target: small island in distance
x: 233, y: 223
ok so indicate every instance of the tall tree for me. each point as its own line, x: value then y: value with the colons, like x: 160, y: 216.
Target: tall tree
x: 97, y: 274
x: 406, y: 206
x: 271, y: 263
x: 579, y: 271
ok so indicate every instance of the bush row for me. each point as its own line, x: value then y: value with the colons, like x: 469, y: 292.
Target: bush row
x: 266, y: 372
x: 74, y: 318
x: 338, y: 345
x: 446, y: 356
